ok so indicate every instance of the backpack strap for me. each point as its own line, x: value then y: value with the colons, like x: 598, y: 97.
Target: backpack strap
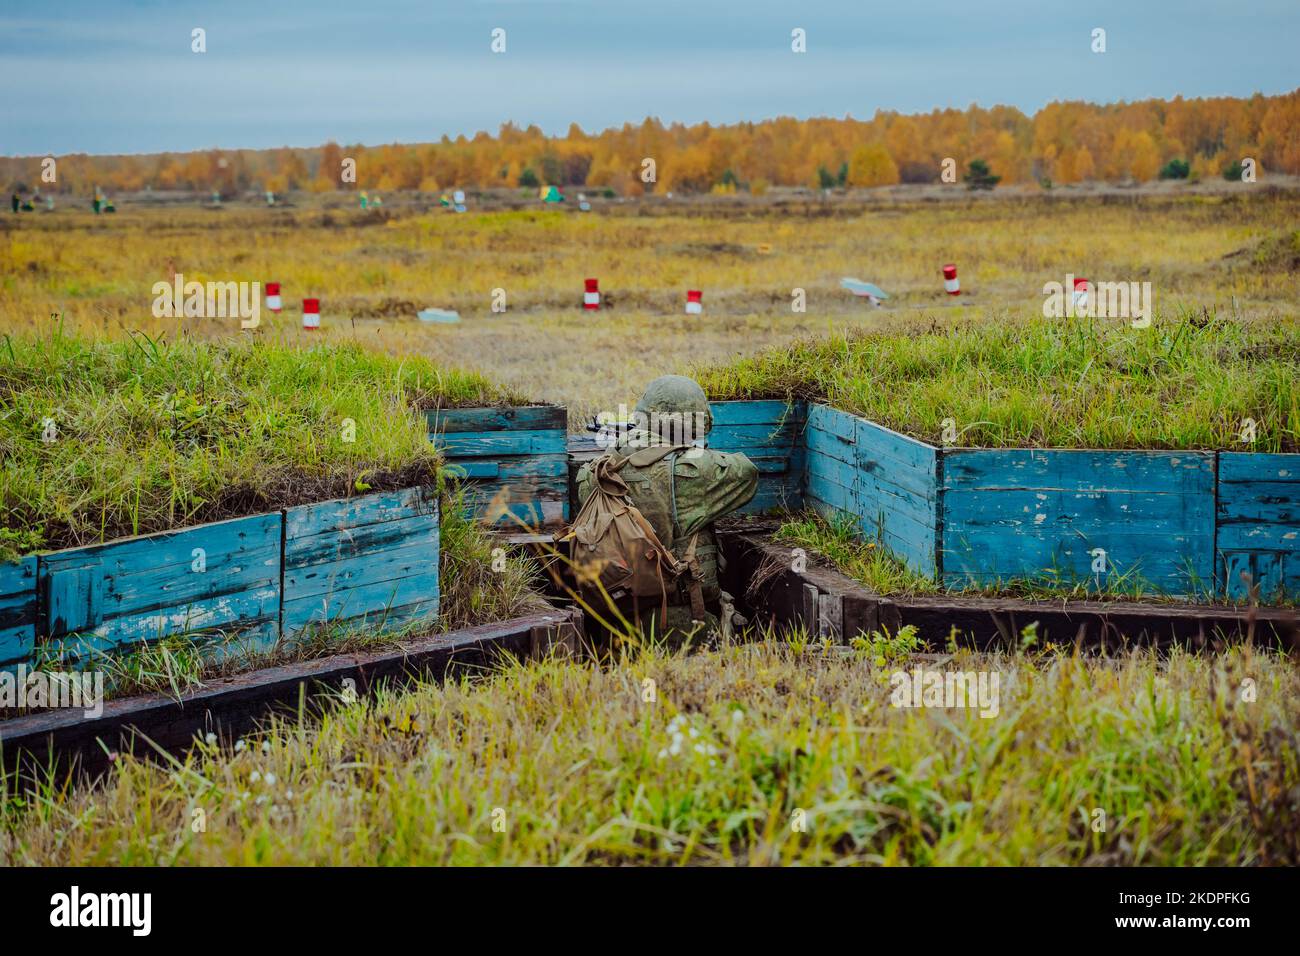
x: 644, y: 457
x: 695, y: 577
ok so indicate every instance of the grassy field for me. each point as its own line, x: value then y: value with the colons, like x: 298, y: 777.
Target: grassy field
x: 760, y: 754
x: 373, y: 270
x: 788, y: 751
x: 1186, y: 382
x: 104, y: 439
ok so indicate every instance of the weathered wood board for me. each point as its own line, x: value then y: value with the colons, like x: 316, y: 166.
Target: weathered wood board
x: 1043, y: 514
x: 1257, y: 530
x: 884, y: 482
x: 18, y: 608
x: 511, y: 461
x: 221, y: 578
x: 770, y: 434
x: 371, y: 561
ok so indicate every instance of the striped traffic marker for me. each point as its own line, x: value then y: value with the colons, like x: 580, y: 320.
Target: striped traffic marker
x: 273, y: 296
x: 310, y: 315
x: 1080, y: 293
x: 950, y: 283
x: 591, y: 297
x: 693, y: 304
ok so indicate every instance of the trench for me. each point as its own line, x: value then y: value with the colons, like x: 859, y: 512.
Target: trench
x: 771, y: 590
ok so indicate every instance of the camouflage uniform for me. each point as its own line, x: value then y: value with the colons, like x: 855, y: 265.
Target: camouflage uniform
x: 683, y: 493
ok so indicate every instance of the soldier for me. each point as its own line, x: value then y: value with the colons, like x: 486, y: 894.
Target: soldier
x: 681, y: 487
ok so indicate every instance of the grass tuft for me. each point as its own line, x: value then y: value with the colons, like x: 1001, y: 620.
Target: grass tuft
x: 104, y: 439
x: 563, y: 762
x: 1186, y: 382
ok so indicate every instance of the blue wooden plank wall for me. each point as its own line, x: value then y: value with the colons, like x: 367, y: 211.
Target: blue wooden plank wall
x: 512, y: 461
x: 886, y: 483
x: 1258, y: 524
x: 371, y: 561
x: 17, y: 611
x: 1040, y: 514
x: 222, y: 577
x: 770, y: 434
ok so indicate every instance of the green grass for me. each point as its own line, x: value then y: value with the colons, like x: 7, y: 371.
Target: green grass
x: 866, y: 561
x: 1128, y: 760
x: 1183, y: 383
x: 148, y: 434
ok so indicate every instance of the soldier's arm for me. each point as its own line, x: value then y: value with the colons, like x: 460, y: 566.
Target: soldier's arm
x: 721, y: 483
x: 741, y: 480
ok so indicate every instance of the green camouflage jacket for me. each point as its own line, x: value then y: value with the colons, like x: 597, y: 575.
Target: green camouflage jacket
x: 683, y: 494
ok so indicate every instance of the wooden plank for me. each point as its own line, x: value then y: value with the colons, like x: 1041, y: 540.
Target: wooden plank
x: 1178, y: 565
x: 746, y: 437
x: 770, y: 465
x: 842, y: 473
x: 506, y: 418
x: 825, y: 491
x: 494, y: 444
x: 533, y: 515
x: 1170, y: 472
x: 169, y: 549
x: 877, y: 494
x: 74, y: 598
x: 918, y: 550
x: 827, y: 443
x: 18, y: 608
x: 824, y: 508
x: 1093, y: 511
x: 250, y: 615
x: 774, y: 493
x: 221, y: 577
x: 886, y: 443
x: 833, y: 421
x: 1257, y: 528
x: 360, y: 561
x: 523, y: 489
x: 383, y: 604
x: 1274, y: 502
x: 1273, y: 575
x: 328, y: 516
x: 1248, y: 467
x: 364, y: 541
x: 1037, y: 514
x: 759, y: 412
x: 524, y: 466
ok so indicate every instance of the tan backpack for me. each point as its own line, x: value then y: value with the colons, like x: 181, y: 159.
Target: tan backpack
x: 615, y: 548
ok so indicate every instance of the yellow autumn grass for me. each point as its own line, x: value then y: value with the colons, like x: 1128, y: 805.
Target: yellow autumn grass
x: 374, y: 270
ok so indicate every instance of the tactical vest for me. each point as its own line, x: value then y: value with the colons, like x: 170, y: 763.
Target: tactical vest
x: 681, y: 495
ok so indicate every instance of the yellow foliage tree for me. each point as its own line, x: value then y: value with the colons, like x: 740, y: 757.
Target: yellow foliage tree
x: 872, y: 166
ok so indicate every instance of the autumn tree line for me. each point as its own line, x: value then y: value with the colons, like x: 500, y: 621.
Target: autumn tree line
x: 1061, y: 143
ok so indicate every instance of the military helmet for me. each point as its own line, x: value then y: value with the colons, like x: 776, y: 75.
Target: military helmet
x: 678, y: 400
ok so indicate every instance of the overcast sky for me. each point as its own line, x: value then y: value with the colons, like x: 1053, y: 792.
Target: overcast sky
x: 109, y: 76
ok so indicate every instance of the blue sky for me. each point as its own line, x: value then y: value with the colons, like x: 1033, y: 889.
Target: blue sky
x: 108, y: 76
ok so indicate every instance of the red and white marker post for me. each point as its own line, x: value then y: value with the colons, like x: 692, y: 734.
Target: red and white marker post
x: 693, y: 304
x: 273, y: 296
x: 310, y: 315
x: 591, y: 297
x: 1080, y: 294
x: 951, y: 285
